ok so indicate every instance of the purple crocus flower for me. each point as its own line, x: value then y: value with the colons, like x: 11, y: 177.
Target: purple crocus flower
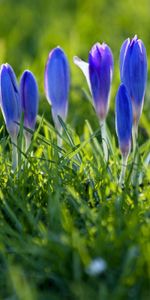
x: 98, y: 72
x: 10, y: 100
x: 10, y: 106
x: 57, y: 84
x: 124, y: 120
x: 29, y: 102
x: 133, y: 71
x: 29, y: 98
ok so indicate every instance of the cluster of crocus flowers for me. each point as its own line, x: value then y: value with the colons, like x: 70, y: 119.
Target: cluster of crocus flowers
x: 133, y: 73
x: 98, y: 72
x: 14, y: 101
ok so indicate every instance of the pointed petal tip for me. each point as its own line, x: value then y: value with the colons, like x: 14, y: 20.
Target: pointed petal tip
x: 58, y: 47
x: 122, y: 86
x: 135, y: 37
x: 76, y: 59
x: 6, y: 66
x: 3, y: 67
x: 29, y: 74
x: 94, y: 49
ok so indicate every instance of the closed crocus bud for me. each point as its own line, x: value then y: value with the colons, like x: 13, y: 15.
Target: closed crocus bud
x: 57, y: 83
x: 10, y: 100
x: 98, y: 72
x: 29, y: 102
x: 124, y: 119
x: 10, y: 106
x: 133, y: 71
x: 29, y: 98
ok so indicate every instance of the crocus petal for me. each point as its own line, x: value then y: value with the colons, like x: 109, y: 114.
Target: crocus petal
x: 16, y: 89
x: 125, y: 74
x: 133, y: 71
x: 29, y: 98
x: 124, y: 119
x: 100, y: 70
x: 57, y: 83
x: 84, y: 66
x: 9, y: 99
x: 123, y: 51
x: 138, y: 71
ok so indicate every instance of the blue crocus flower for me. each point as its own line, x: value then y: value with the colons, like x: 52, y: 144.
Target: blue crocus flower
x: 29, y: 102
x: 29, y: 98
x: 10, y: 100
x: 124, y: 120
x: 57, y: 84
x: 98, y: 72
x: 133, y: 71
x: 10, y: 106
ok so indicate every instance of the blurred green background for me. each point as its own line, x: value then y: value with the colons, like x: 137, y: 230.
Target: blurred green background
x: 29, y: 29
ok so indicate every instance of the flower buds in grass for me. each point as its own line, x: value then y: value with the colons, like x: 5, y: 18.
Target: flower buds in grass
x: 29, y: 102
x: 133, y: 70
x: 57, y: 84
x: 98, y: 72
x: 10, y: 106
x: 124, y: 124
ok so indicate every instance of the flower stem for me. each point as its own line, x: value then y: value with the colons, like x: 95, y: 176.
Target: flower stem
x: 135, y: 177
x: 28, y: 137
x: 104, y: 139
x: 134, y: 138
x: 59, y: 140
x: 123, y: 169
x: 14, y: 153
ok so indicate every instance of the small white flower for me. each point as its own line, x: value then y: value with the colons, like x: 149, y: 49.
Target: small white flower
x: 96, y: 266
